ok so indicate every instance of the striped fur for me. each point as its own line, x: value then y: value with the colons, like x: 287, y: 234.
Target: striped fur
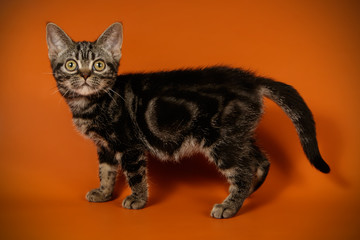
x: 213, y: 110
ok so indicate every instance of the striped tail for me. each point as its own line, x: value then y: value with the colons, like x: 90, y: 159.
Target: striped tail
x: 296, y: 109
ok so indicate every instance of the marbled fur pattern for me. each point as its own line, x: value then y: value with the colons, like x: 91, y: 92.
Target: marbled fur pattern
x: 213, y: 110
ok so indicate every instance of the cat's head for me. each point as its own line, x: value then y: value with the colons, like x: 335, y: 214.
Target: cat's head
x: 84, y: 68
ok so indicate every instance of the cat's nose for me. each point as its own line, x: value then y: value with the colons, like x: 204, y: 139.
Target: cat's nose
x: 85, y: 73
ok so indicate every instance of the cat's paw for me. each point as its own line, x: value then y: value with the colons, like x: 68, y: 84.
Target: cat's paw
x: 96, y: 195
x: 132, y: 202
x: 223, y: 211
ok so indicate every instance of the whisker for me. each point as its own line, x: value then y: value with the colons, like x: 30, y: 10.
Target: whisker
x: 67, y: 91
x: 63, y: 95
x: 117, y: 94
x: 110, y: 96
x: 56, y: 91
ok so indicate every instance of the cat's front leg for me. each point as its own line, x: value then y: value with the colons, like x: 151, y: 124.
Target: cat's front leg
x: 133, y: 164
x: 107, y: 173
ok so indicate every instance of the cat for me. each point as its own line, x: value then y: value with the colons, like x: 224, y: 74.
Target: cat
x: 171, y: 115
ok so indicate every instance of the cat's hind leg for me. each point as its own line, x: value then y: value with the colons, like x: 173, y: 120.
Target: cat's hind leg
x: 245, y: 168
x: 238, y: 169
x: 262, y: 168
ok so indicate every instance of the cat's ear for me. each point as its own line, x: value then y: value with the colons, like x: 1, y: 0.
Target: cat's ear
x: 111, y: 40
x: 57, y: 40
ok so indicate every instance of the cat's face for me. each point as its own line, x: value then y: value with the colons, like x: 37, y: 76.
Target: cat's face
x: 84, y: 68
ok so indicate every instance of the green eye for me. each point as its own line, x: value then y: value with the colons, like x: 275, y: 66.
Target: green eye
x: 99, y: 65
x: 71, y: 65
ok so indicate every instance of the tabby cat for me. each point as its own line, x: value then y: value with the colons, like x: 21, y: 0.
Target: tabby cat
x: 170, y: 114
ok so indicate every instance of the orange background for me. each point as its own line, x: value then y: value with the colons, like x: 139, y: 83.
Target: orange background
x: 47, y: 167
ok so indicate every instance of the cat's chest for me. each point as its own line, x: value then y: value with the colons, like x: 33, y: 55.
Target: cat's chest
x: 93, y: 130
x: 83, y: 125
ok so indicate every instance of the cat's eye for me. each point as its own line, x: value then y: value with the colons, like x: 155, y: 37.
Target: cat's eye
x: 71, y: 65
x: 99, y: 65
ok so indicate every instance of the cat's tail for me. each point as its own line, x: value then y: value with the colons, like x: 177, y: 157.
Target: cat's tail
x: 294, y: 106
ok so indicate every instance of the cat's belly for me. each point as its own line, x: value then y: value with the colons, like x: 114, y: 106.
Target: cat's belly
x: 189, y: 146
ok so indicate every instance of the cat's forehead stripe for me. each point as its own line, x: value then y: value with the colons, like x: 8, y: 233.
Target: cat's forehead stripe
x: 84, y: 51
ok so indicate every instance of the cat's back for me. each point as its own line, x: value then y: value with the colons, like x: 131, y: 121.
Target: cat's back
x: 217, y: 79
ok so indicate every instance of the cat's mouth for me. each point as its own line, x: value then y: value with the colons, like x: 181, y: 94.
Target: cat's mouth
x: 86, y: 89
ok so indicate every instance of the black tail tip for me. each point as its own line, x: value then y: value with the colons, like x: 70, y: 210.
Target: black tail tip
x: 321, y: 165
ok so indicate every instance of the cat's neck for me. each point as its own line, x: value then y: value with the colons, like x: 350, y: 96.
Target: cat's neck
x: 79, y: 104
x: 92, y: 105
